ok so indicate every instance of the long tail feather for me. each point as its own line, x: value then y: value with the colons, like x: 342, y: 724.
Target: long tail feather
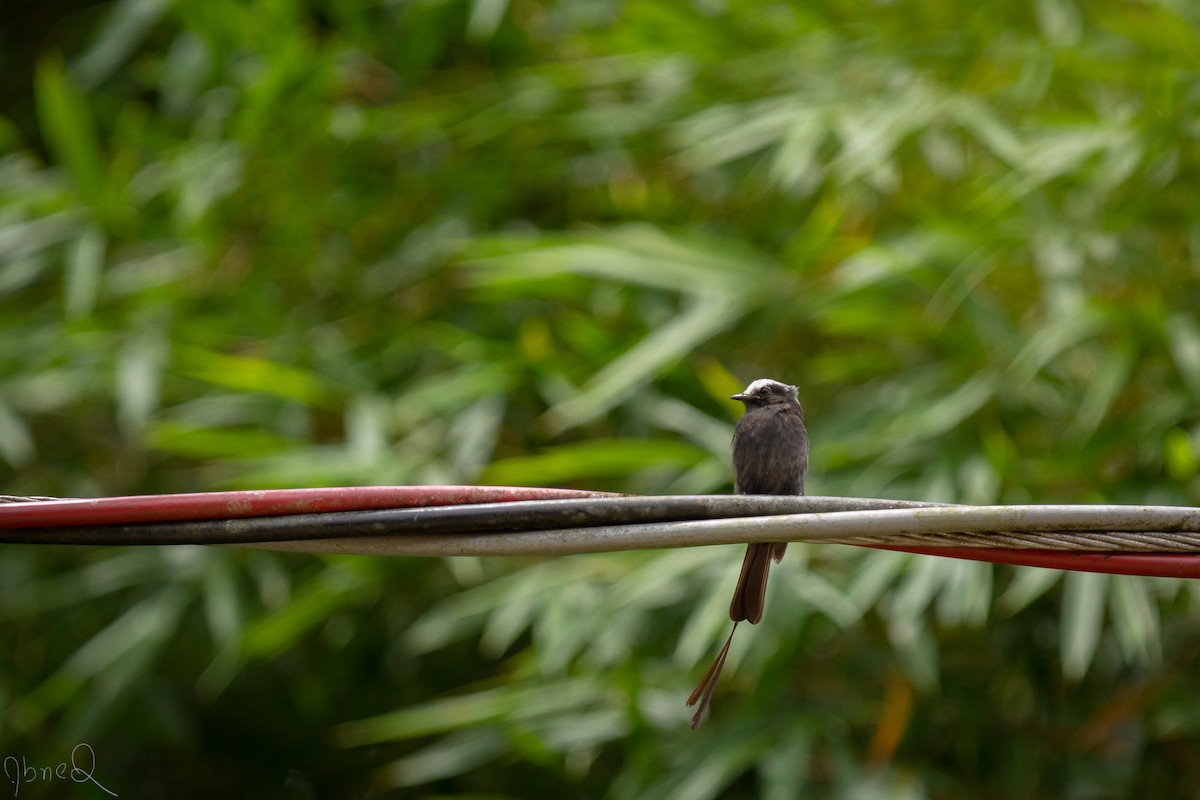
x: 708, y: 684
x: 750, y: 596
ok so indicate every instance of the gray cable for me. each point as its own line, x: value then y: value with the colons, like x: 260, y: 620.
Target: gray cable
x: 1140, y: 529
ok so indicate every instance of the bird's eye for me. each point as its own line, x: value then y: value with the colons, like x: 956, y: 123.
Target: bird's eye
x: 764, y: 391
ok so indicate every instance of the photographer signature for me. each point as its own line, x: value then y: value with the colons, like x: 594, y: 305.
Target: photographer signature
x: 80, y: 769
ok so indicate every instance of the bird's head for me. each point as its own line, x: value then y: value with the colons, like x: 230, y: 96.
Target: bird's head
x: 765, y: 392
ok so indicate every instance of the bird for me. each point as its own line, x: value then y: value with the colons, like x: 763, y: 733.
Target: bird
x: 770, y: 456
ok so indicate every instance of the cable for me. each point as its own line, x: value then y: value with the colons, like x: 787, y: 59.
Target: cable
x: 460, y: 520
x: 513, y: 517
x: 1055, y: 527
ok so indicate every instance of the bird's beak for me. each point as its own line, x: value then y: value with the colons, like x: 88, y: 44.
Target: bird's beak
x: 742, y: 397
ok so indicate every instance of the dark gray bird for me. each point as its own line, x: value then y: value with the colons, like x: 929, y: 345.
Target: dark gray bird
x: 770, y: 456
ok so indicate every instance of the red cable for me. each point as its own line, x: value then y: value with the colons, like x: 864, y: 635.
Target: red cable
x: 1150, y: 565
x: 261, y: 503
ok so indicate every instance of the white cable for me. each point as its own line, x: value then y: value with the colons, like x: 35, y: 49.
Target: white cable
x: 1099, y: 528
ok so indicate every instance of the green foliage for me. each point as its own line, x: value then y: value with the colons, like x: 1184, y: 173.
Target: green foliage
x: 290, y: 244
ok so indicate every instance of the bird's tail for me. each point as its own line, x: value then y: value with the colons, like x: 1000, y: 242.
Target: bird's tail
x: 751, y: 593
x: 708, y: 684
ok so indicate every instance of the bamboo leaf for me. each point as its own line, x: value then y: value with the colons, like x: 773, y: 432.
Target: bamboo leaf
x: 1082, y: 620
x: 589, y: 461
x: 69, y: 128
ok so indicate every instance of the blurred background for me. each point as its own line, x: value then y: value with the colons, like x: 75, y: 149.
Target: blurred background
x: 291, y: 243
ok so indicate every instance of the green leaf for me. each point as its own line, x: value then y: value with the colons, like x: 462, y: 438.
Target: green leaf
x: 126, y: 23
x: 1028, y: 585
x: 340, y: 584
x: 515, y: 703
x: 1135, y: 619
x: 591, y: 460
x: 1082, y: 620
x: 145, y: 626
x: 69, y: 128
x: 16, y: 444
x: 455, y: 754
x: 251, y: 374
x: 622, y: 378
x: 203, y: 442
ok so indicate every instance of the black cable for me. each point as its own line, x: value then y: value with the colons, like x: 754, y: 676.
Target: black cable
x: 517, y: 516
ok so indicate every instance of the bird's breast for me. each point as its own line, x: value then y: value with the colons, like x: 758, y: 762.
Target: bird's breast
x: 770, y: 452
